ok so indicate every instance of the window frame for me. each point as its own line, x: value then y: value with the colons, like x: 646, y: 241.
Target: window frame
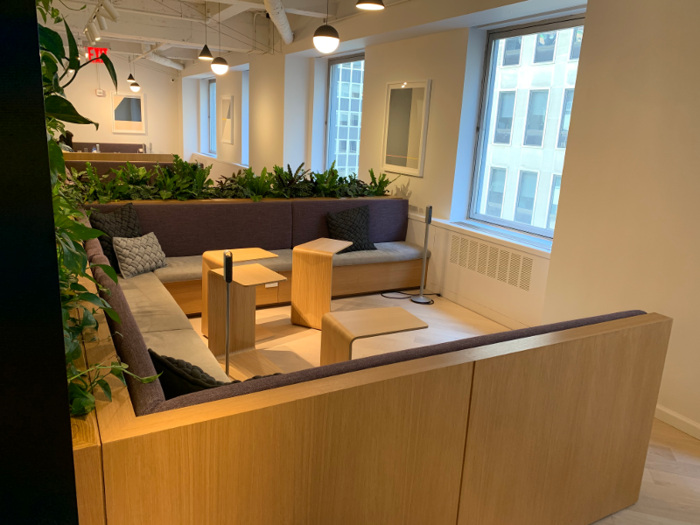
x: 527, y: 114
x: 512, y: 126
x: 483, y: 131
x: 214, y: 124
x: 329, y: 92
x: 554, y: 55
x: 488, y: 185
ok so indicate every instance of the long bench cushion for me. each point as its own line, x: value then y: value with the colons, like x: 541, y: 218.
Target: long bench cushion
x: 388, y: 218
x: 188, y: 346
x: 152, y: 306
x: 129, y: 344
x: 345, y: 367
x: 190, y: 268
x: 194, y: 227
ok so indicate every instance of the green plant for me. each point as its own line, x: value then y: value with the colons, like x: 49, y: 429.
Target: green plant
x: 289, y: 184
x: 378, y: 186
x: 255, y: 187
x: 58, y: 71
x: 326, y: 184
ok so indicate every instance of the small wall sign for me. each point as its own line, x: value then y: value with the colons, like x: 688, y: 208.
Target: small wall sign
x: 94, y: 52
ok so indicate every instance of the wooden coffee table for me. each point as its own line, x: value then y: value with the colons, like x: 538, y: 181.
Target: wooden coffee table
x: 214, y: 259
x: 312, y: 279
x: 341, y: 329
x: 243, y: 330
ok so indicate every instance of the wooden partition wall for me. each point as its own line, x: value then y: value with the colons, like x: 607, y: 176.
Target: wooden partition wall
x: 545, y: 430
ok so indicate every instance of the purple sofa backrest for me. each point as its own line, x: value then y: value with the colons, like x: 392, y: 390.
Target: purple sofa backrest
x: 388, y: 218
x: 194, y: 227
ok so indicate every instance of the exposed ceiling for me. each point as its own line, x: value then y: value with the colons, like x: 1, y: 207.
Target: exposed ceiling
x: 171, y: 32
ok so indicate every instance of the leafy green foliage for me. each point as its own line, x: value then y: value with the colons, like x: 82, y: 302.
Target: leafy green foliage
x: 78, y: 304
x: 379, y: 184
x: 289, y: 184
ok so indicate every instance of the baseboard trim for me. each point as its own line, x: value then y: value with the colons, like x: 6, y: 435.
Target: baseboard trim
x: 483, y: 310
x: 678, y: 421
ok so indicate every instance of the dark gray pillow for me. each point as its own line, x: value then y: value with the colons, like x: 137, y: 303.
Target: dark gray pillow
x: 138, y: 255
x: 122, y: 222
x: 351, y: 225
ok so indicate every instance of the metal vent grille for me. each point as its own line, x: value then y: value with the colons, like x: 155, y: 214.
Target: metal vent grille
x: 502, y: 265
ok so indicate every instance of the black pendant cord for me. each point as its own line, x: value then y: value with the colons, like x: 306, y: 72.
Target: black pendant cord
x: 220, y: 53
x: 205, y: 24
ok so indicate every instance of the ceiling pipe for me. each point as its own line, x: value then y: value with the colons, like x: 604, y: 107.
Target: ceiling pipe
x: 158, y: 59
x: 279, y: 17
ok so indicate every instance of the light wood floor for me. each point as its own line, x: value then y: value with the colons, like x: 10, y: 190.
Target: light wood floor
x: 670, y: 492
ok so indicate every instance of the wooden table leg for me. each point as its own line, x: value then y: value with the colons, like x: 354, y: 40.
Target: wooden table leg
x: 312, y: 279
x: 336, y: 342
x: 205, y: 297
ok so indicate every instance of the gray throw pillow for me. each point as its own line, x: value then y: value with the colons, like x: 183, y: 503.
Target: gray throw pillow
x: 122, y: 222
x: 138, y: 255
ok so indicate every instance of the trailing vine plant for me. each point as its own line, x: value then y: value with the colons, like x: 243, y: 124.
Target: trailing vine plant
x: 78, y: 304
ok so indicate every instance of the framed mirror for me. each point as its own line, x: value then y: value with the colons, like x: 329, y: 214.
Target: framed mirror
x: 128, y: 114
x: 406, y: 128
x: 227, y: 120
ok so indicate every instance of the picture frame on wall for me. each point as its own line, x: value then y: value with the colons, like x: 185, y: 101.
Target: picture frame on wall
x: 406, y: 127
x: 227, y: 119
x: 128, y: 113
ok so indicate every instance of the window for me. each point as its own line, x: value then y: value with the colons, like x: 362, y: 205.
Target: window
x: 576, y: 40
x: 565, y: 118
x: 497, y: 186
x: 536, y: 117
x: 553, y: 201
x: 511, y: 52
x: 345, y: 114
x: 545, y: 44
x: 504, y: 118
x: 524, y: 127
x: 212, y: 116
x: 525, y: 203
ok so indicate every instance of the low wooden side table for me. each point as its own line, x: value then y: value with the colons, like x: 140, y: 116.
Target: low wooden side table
x: 214, y: 259
x: 341, y: 329
x: 312, y: 279
x: 242, y: 321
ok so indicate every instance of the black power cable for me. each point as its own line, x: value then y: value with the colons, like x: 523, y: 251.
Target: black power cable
x: 407, y: 295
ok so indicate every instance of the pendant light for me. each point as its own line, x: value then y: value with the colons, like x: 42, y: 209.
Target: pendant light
x: 219, y: 66
x: 131, y: 79
x: 370, y: 5
x: 205, y: 53
x: 133, y: 85
x: 326, y: 38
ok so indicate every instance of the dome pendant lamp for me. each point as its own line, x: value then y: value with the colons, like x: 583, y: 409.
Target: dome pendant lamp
x: 219, y: 66
x: 326, y: 38
x: 370, y: 5
x: 134, y: 86
x: 205, y: 54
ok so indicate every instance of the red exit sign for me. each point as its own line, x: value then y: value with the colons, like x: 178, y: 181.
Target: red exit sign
x: 95, y: 52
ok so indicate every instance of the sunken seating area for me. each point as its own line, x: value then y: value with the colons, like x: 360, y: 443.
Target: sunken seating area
x: 185, y: 230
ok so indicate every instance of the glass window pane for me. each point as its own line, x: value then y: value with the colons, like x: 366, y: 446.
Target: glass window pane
x: 504, y: 118
x: 536, y: 117
x: 497, y: 185
x: 576, y: 40
x: 565, y: 118
x: 345, y: 115
x: 554, y: 201
x: 525, y: 204
x: 545, y: 44
x: 511, y: 53
x: 212, y: 116
x: 523, y: 131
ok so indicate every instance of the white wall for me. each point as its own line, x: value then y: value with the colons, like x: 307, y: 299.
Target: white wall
x: 162, y: 100
x: 627, y: 228
x: 440, y: 57
x: 298, y: 109
x: 229, y: 85
x: 267, y: 83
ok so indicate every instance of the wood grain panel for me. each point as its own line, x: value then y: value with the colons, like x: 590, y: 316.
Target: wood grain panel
x: 187, y: 294
x: 387, y: 452
x: 559, y: 434
x: 87, y: 461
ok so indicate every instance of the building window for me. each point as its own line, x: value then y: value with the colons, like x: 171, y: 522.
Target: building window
x: 553, y: 201
x: 524, y: 127
x: 511, y: 52
x: 212, y: 116
x: 576, y: 40
x: 497, y: 186
x: 536, y: 117
x: 527, y: 192
x: 345, y: 114
x: 565, y: 118
x: 504, y: 117
x: 545, y: 45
